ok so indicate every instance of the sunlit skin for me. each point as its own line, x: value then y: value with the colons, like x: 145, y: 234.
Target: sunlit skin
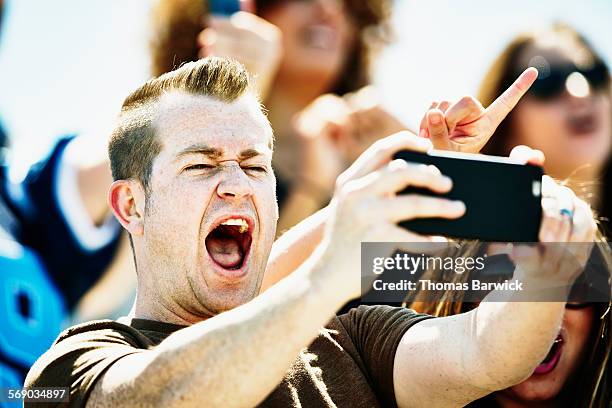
x: 576, y: 331
x: 449, y: 132
x: 547, y: 126
x: 215, y: 162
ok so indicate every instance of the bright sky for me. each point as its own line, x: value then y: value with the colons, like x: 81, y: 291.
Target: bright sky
x: 67, y: 64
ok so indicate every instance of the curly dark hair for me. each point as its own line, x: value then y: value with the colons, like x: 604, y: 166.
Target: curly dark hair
x: 176, y: 24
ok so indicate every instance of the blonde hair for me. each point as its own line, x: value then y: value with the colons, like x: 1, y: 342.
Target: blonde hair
x: 133, y: 145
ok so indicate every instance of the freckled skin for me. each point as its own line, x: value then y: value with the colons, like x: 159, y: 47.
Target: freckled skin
x: 184, y: 204
x: 577, y: 328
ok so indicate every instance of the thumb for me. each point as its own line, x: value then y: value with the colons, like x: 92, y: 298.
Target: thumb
x: 526, y: 154
x: 438, y: 132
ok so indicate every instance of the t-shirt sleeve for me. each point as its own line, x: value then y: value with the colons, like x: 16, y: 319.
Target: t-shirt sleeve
x: 79, y: 358
x: 376, y: 332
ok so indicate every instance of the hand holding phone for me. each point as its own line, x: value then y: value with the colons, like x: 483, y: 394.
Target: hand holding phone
x: 502, y: 197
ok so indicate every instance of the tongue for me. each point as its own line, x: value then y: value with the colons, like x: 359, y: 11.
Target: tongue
x: 225, y: 251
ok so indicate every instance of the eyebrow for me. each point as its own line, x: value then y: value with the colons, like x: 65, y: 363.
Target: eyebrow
x: 205, y: 150
x: 215, y: 153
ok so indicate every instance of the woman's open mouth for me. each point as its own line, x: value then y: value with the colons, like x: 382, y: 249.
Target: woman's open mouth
x: 552, y: 358
x: 229, y: 243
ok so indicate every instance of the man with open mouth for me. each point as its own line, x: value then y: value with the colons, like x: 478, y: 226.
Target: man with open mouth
x: 191, y: 158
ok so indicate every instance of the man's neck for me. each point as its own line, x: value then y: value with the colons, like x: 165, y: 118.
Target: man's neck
x: 147, y: 307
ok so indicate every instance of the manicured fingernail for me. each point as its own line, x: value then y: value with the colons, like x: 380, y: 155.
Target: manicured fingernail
x: 435, y: 119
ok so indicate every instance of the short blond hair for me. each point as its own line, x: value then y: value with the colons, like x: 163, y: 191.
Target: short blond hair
x: 133, y: 145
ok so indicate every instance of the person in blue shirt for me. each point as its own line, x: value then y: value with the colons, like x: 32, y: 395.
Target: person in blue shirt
x: 56, y: 241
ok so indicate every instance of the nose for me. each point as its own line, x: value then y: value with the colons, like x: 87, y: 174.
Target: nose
x: 234, y: 183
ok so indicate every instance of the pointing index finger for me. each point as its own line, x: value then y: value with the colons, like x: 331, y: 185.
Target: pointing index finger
x: 502, y: 106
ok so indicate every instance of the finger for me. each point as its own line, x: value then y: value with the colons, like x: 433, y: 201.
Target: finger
x: 566, y: 200
x: 381, y: 152
x: 423, y: 125
x: 365, y: 98
x: 406, y: 240
x: 410, y: 206
x: 584, y: 226
x: 500, y: 108
x: 525, y: 154
x: 438, y: 132
x: 525, y: 256
x: 557, y: 207
x: 399, y: 174
x: 444, y: 106
x: 551, y: 219
x: 219, y: 22
x: 466, y: 110
x: 207, y: 37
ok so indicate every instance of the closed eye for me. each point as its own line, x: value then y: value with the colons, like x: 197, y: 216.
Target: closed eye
x: 200, y: 166
x: 255, y: 168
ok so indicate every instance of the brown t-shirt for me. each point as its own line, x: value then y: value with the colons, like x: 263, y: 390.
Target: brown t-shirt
x: 349, y: 364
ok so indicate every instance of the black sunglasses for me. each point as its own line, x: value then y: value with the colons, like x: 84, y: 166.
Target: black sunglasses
x: 551, y: 82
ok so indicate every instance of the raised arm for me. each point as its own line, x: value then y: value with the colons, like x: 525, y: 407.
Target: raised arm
x: 237, y: 357
x: 464, y: 126
x: 298, y: 243
x: 454, y: 360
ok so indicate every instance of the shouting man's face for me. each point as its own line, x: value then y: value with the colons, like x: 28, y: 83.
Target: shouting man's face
x: 211, y: 211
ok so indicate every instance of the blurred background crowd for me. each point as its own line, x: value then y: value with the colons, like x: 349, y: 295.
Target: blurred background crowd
x: 334, y: 75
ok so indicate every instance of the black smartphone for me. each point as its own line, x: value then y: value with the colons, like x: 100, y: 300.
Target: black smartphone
x: 223, y: 7
x: 502, y: 197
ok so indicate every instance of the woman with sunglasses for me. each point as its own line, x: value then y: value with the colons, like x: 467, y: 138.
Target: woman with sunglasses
x: 566, y: 114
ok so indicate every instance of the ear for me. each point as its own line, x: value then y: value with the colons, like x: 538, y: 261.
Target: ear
x: 126, y: 199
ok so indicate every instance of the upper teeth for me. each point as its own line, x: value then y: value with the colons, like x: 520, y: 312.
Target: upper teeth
x: 244, y: 226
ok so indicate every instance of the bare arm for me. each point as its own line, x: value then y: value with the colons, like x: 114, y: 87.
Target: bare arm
x: 235, y: 358
x: 451, y: 361
x: 87, y: 155
x: 454, y: 360
x: 294, y: 247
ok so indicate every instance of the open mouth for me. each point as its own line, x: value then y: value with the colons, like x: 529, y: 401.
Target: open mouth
x: 319, y: 37
x: 552, y: 358
x: 229, y: 243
